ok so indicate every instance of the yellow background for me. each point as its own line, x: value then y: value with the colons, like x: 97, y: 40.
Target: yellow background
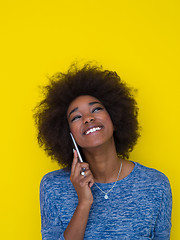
x: 138, y: 39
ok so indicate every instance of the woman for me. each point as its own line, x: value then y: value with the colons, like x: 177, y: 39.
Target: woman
x: 106, y: 196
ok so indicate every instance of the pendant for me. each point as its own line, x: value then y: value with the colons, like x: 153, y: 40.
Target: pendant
x: 106, y: 196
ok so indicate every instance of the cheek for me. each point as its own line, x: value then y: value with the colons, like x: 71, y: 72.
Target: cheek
x: 74, y: 128
x: 109, y: 121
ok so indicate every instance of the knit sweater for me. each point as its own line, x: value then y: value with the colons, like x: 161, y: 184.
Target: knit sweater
x: 138, y: 207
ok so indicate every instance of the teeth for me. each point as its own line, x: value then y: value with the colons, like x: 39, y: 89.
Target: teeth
x: 93, y: 130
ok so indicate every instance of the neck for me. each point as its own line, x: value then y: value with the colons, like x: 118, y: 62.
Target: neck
x: 104, y: 163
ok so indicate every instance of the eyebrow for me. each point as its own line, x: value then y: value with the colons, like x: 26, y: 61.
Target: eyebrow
x: 90, y: 104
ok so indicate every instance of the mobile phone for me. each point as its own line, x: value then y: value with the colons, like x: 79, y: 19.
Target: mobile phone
x: 79, y: 155
x: 76, y: 147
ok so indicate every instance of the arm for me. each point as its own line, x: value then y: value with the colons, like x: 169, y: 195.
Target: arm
x: 51, y: 225
x: 82, y: 185
x: 77, y: 225
x: 163, y: 222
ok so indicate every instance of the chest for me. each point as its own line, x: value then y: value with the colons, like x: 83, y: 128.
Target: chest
x: 126, y: 214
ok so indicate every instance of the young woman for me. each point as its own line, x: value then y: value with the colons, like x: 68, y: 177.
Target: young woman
x: 106, y: 196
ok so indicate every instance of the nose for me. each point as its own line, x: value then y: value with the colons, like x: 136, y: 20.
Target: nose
x: 88, y: 119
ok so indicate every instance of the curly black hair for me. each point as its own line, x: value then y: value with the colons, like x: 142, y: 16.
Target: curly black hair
x: 107, y: 87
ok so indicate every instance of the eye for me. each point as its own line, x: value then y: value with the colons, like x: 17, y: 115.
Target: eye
x: 97, y: 109
x: 75, y: 118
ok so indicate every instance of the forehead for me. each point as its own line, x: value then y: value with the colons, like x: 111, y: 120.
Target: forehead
x: 81, y: 100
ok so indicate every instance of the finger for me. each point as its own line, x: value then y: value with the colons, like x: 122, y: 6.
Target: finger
x: 83, y: 165
x: 79, y: 167
x: 75, y: 160
x: 87, y: 177
x: 87, y: 173
x: 91, y: 184
x: 90, y: 178
x: 87, y: 180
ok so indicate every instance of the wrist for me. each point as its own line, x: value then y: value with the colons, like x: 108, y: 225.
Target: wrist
x: 86, y: 205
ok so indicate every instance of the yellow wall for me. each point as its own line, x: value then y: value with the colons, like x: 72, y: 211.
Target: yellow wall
x: 138, y: 39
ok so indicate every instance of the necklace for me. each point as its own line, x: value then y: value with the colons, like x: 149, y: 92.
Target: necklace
x: 106, y: 193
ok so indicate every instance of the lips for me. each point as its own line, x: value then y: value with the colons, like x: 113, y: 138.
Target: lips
x: 92, y: 130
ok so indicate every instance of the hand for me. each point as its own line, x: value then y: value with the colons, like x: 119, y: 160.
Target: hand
x: 82, y: 184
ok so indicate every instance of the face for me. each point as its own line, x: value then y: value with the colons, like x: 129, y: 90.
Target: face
x: 89, y: 122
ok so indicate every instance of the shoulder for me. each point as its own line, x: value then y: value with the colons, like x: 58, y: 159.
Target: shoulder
x: 55, y: 179
x: 151, y: 176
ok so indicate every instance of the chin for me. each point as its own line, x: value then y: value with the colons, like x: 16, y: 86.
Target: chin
x: 97, y: 143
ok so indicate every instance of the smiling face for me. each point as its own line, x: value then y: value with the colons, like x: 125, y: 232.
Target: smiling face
x: 89, y: 122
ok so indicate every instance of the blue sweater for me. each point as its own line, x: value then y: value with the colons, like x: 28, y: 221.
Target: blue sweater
x: 138, y: 207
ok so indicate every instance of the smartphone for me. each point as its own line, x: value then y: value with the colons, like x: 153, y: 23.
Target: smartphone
x: 79, y: 155
x: 76, y: 147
